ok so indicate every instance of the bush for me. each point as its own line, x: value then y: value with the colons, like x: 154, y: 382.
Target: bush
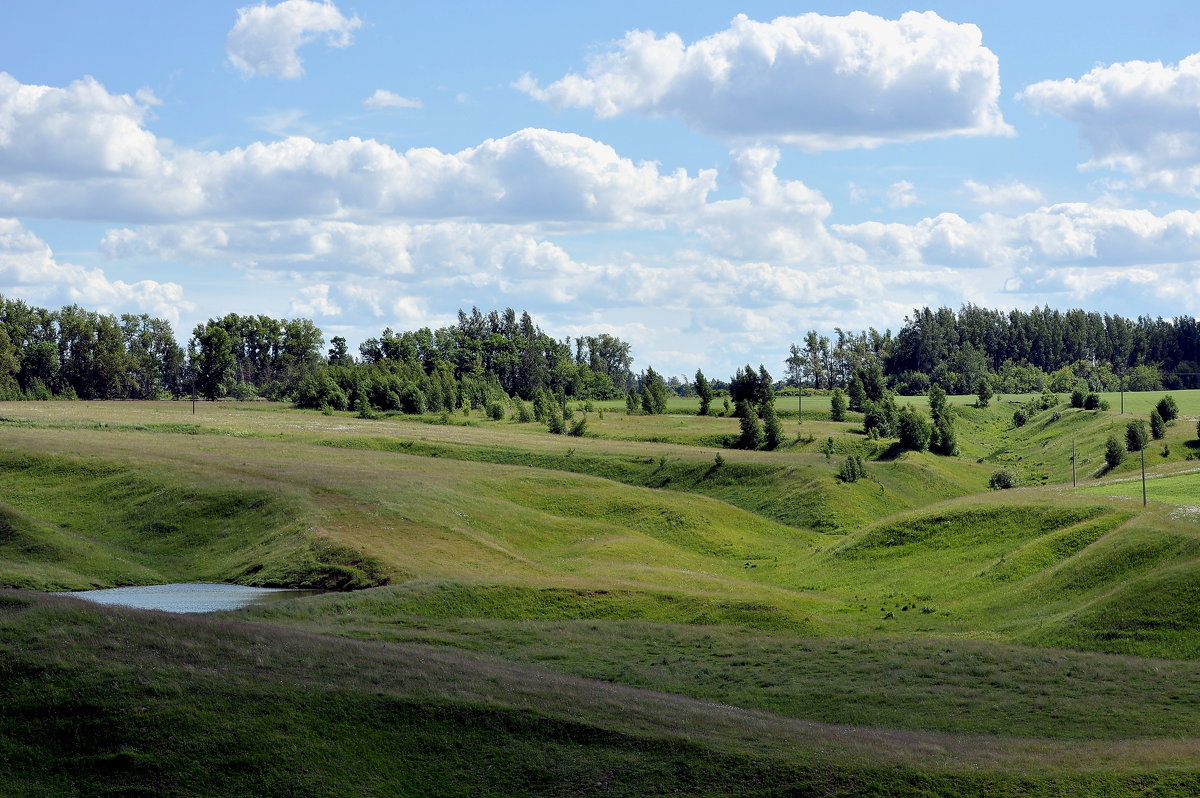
x: 1019, y: 417
x: 837, y: 405
x: 1092, y: 402
x: 914, y: 431
x: 852, y: 469
x: 1077, y: 397
x: 1136, y: 436
x: 1158, y: 427
x: 554, y: 421
x: 1003, y: 480
x: 1167, y: 408
x: 524, y: 414
x: 579, y: 428
x: 985, y: 392
x: 1114, y: 453
x: 772, y: 429
x: 495, y: 411
x: 752, y: 432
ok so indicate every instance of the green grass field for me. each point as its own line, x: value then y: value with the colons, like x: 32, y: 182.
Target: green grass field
x: 624, y: 613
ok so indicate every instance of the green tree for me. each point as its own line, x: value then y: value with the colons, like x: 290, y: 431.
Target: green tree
x: 751, y: 429
x: 857, y: 394
x: 554, y: 421
x: 1167, y: 408
x: 631, y: 402
x: 1158, y: 427
x: 942, y: 439
x: 985, y: 392
x: 772, y: 429
x: 1114, y: 453
x: 214, y: 360
x: 1136, y: 436
x: 837, y: 405
x: 914, y: 431
x: 704, y: 391
x: 654, y: 393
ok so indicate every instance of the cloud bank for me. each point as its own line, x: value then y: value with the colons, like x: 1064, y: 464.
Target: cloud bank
x: 811, y: 81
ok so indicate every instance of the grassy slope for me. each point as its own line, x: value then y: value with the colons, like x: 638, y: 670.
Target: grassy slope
x: 104, y: 701
x: 723, y: 587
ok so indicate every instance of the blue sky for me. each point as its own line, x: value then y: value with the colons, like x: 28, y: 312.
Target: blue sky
x: 705, y: 180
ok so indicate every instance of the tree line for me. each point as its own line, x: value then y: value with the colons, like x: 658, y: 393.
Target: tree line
x: 75, y: 353
x: 1014, y: 352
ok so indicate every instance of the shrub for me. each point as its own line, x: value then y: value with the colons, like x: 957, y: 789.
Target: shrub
x: 985, y: 392
x: 852, y: 469
x: 554, y: 421
x: 1136, y: 436
x: 1158, y: 427
x: 752, y: 432
x: 1092, y: 402
x: 579, y: 428
x: 827, y: 448
x: 837, y: 405
x: 1167, y: 408
x: 524, y: 414
x: 1114, y: 453
x: 495, y: 411
x: 772, y: 429
x: 1003, y: 480
x: 914, y: 431
x: 1077, y: 397
x: 1019, y: 417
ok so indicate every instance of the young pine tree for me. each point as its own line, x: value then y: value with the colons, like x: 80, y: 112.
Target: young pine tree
x: 704, y: 391
x: 772, y: 429
x: 1158, y: 427
x: 1114, y: 453
x: 752, y: 431
x: 837, y: 405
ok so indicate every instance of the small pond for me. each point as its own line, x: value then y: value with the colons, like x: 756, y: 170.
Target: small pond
x: 194, y: 597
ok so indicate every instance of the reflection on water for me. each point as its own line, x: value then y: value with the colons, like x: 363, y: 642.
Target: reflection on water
x: 197, y: 597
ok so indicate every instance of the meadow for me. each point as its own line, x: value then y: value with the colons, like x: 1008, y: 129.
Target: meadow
x: 637, y: 611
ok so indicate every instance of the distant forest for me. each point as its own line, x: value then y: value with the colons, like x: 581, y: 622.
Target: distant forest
x: 487, y: 358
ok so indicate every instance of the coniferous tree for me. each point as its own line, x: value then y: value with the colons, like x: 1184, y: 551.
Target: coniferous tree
x: 857, y: 394
x: 772, y: 430
x: 751, y: 429
x: 837, y: 405
x: 1158, y: 427
x: 704, y: 391
x: 1136, y: 436
x: 1114, y: 453
x: 1167, y: 408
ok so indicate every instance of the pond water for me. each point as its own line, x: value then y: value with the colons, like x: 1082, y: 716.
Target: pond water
x: 193, y: 597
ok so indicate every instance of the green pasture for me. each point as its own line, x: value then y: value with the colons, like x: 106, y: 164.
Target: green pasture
x: 640, y: 608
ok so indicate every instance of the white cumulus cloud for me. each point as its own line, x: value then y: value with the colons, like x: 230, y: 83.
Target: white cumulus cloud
x: 1002, y: 194
x: 902, y: 194
x: 812, y: 81
x: 83, y: 153
x: 28, y: 268
x: 265, y: 39
x: 1139, y: 117
x: 382, y: 98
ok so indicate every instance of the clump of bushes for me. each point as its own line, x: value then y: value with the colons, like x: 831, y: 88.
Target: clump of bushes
x: 852, y: 469
x: 1003, y: 480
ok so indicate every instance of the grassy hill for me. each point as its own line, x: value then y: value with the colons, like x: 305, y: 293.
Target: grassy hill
x: 626, y: 613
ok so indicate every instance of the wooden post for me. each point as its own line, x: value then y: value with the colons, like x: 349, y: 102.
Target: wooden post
x: 1143, y: 476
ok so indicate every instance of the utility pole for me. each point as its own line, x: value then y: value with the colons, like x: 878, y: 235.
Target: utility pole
x: 1143, y: 476
x: 1073, y: 482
